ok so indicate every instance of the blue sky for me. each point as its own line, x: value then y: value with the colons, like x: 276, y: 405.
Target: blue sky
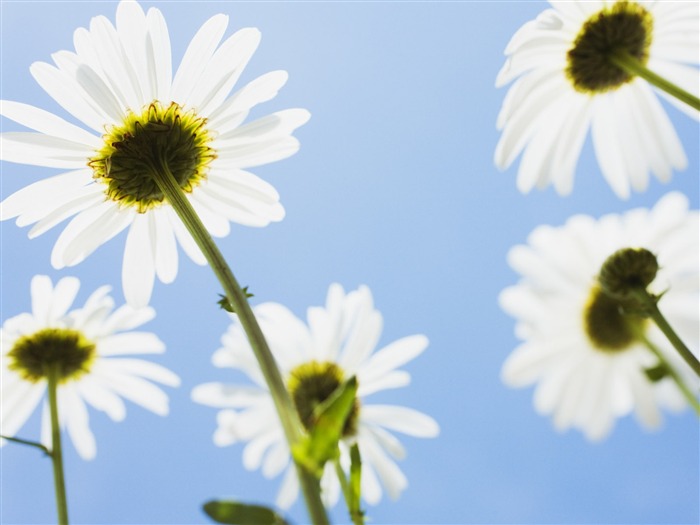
x: 394, y: 187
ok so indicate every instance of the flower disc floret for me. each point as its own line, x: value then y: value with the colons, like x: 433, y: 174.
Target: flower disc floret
x: 157, y: 139
x: 312, y: 383
x: 623, y: 28
x: 67, y: 351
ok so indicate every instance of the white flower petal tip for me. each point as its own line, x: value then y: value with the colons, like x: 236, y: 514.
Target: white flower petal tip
x: 583, y: 378
x: 99, y: 372
x: 338, y: 341
x: 119, y: 74
x: 552, y: 104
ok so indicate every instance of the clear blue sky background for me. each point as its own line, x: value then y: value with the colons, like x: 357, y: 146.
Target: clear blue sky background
x: 394, y: 187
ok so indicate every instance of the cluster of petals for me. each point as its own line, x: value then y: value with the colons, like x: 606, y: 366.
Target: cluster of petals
x: 122, y: 68
x: 579, y: 385
x: 345, y: 332
x: 547, y: 120
x: 113, y: 375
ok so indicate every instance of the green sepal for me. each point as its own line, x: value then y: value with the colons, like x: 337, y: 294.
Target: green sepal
x: 225, y: 304
x: 656, y: 373
x: 235, y: 513
x: 321, y: 444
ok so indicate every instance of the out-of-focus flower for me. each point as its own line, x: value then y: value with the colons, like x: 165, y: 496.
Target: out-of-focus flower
x: 338, y: 343
x: 565, y: 85
x: 578, y: 348
x: 90, y: 348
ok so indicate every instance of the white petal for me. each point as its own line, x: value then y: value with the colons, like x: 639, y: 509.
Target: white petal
x: 42, y: 293
x: 289, y: 489
x: 18, y: 404
x: 138, y: 269
x: 235, y: 109
x: 63, y: 296
x: 392, y: 356
x: 86, y: 232
x: 198, y: 54
x: 76, y: 419
x: 85, y: 198
x: 223, y: 70
x: 41, y: 194
x: 65, y: 90
x: 36, y: 149
x: 47, y: 123
x: 222, y: 395
x: 158, y: 59
x: 131, y: 343
x: 393, y: 379
x: 132, y: 388
x: 390, y: 474
x: 166, y: 258
x: 401, y: 419
x: 101, y: 398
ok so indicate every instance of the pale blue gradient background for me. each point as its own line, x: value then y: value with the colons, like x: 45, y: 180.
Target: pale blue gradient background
x: 394, y: 187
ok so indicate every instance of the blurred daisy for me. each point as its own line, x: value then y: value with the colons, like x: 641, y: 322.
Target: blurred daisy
x: 119, y: 84
x: 337, y: 344
x: 580, y: 350
x: 87, y: 346
x: 566, y: 84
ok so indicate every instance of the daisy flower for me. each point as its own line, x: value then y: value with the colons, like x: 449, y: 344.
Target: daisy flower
x: 91, y: 348
x: 315, y: 359
x: 119, y: 84
x: 581, y: 352
x: 565, y: 84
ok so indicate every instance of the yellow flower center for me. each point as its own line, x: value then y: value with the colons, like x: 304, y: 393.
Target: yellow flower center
x: 310, y: 384
x: 158, y: 138
x: 68, y: 350
x: 608, y: 328
x: 623, y: 28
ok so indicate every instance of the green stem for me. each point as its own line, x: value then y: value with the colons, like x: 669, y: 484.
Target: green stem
x: 283, y: 403
x: 350, y: 498
x: 690, y: 397
x: 27, y: 442
x: 56, y: 450
x: 652, y: 309
x: 634, y: 67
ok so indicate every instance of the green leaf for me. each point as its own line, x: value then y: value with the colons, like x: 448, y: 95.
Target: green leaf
x: 233, y: 512
x: 41, y: 447
x: 225, y: 304
x: 321, y: 444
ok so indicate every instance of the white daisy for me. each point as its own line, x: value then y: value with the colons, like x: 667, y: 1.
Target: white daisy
x: 566, y: 85
x: 314, y: 360
x: 91, y: 346
x: 577, y: 347
x: 118, y: 82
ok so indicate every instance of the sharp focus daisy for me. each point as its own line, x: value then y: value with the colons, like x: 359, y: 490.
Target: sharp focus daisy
x: 338, y: 343
x: 119, y: 84
x: 578, y: 348
x: 91, y: 348
x: 565, y: 85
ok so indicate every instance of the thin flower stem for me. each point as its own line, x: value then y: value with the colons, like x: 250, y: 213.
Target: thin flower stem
x: 283, y: 403
x: 56, y: 450
x: 690, y: 397
x: 631, y: 65
x: 652, y: 309
x: 355, y: 514
x: 27, y: 442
